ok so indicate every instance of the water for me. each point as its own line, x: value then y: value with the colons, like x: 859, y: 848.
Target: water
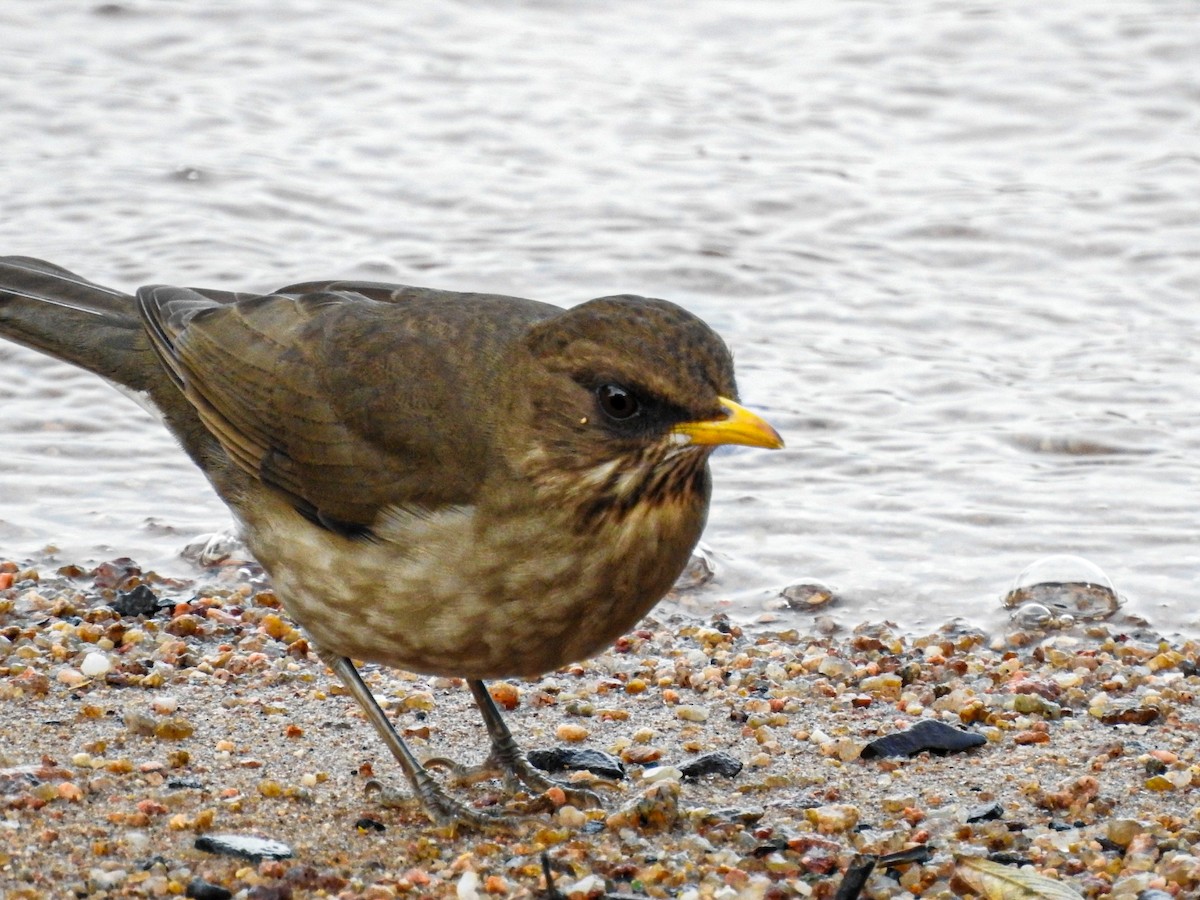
x: 955, y: 247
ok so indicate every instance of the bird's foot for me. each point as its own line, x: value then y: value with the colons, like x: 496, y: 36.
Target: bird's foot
x: 444, y: 810
x: 515, y: 770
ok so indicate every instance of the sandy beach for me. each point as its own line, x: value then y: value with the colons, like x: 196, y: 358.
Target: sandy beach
x: 128, y: 737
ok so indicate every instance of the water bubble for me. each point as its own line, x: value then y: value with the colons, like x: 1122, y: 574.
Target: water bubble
x: 1032, y: 615
x: 1069, y: 588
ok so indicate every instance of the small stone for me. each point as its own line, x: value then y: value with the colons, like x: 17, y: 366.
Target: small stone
x: 137, y: 721
x: 1031, y: 737
x: 507, y: 696
x: 164, y: 705
x: 836, y: 668
x: 571, y: 732
x: 692, y: 713
x: 1160, y: 783
x: 834, y: 818
x: 641, y: 755
x: 571, y: 817
x: 141, y: 601
x: 199, y: 889
x: 661, y: 773
x: 887, y: 685
x: 175, y: 728
x: 717, y: 763
x: 95, y: 664
x: 270, y: 788
x: 927, y: 735
x: 572, y: 759
x: 1138, y: 715
x: 985, y: 812
x: 70, y: 677
x: 807, y: 597
x: 243, y: 846
x: 420, y: 701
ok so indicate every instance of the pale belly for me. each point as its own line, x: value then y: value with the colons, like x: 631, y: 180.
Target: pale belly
x: 440, y: 596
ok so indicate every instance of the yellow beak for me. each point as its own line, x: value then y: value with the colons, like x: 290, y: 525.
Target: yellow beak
x: 740, y: 426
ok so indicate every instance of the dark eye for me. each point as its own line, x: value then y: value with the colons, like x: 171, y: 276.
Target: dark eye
x: 616, y: 401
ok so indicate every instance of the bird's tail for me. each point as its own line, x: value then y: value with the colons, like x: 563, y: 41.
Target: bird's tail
x: 47, y: 308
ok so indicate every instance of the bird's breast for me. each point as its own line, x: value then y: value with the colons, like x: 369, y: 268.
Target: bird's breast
x: 477, y: 593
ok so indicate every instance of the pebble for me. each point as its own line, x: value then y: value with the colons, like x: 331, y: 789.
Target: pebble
x: 571, y: 732
x: 95, y: 664
x: 70, y: 677
x: 926, y: 735
x: 243, y: 846
x: 571, y: 817
x: 560, y: 759
x: 653, y: 774
x: 507, y: 696
x: 716, y: 763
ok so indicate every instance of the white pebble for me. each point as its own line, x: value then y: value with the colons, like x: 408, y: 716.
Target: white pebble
x: 570, y: 817
x: 653, y: 774
x: 95, y: 664
x: 468, y: 886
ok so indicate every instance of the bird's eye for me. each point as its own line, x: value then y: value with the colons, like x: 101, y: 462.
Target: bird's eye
x: 616, y: 401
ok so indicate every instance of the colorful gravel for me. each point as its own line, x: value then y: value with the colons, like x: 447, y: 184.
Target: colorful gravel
x: 201, y: 714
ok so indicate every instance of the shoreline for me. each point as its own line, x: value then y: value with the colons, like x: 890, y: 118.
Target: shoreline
x: 128, y: 737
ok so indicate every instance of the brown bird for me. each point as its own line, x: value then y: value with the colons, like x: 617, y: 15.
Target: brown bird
x: 456, y: 484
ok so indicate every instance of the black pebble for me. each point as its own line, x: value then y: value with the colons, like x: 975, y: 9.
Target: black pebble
x: 366, y: 824
x: 919, y: 854
x: 559, y: 759
x: 927, y: 735
x: 199, y: 889
x: 141, y: 601
x: 985, y: 811
x: 718, y: 763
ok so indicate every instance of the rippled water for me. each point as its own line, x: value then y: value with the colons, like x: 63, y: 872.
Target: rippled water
x: 955, y: 247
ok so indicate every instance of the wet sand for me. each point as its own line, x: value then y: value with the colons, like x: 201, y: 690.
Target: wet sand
x: 128, y: 737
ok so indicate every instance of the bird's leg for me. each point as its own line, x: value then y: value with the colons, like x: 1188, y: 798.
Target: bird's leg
x: 507, y: 760
x: 440, y: 807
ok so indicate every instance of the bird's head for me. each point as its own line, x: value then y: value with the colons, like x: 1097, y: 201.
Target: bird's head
x: 627, y: 397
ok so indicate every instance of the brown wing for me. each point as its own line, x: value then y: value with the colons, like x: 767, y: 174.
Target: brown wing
x: 344, y: 403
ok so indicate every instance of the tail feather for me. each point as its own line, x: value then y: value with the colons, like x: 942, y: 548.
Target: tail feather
x: 50, y: 309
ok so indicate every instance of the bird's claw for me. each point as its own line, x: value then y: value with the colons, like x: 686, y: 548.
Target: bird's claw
x: 515, y: 771
x: 445, y: 811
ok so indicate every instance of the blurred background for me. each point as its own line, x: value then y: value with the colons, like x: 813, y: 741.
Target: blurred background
x: 955, y: 248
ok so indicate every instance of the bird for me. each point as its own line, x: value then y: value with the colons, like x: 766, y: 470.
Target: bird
x: 455, y: 484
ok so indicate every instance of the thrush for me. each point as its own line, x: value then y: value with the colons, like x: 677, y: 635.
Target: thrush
x: 455, y: 484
